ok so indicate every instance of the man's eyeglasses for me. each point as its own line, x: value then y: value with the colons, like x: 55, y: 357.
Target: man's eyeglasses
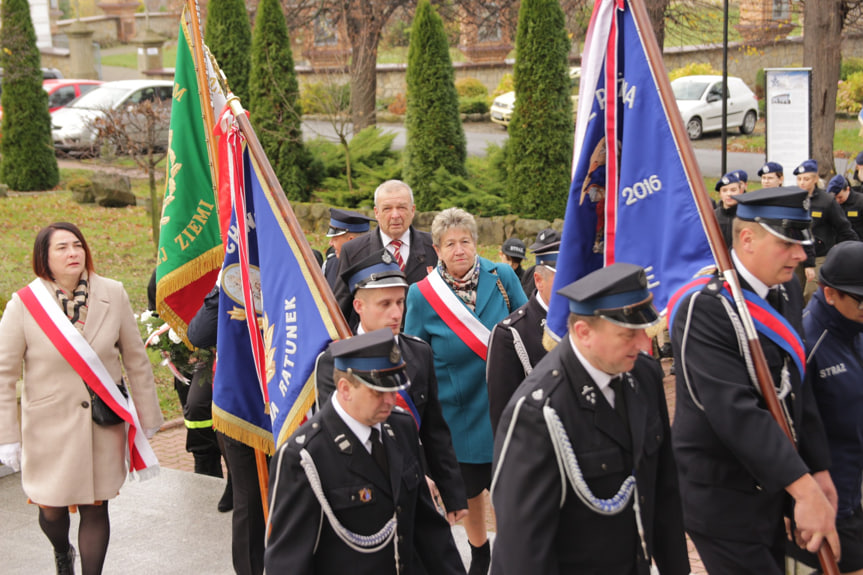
x: 856, y: 298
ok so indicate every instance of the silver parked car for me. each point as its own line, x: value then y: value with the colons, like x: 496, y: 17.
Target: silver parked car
x: 699, y: 99
x: 72, y: 127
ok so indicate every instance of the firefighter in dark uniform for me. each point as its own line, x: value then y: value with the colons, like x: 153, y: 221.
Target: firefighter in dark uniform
x: 584, y: 477
x: 515, y: 346
x: 345, y: 225
x: 850, y: 201
x: 829, y: 224
x: 737, y: 468
x: 379, y: 288
x: 347, y: 489
x: 545, y: 238
x: 856, y: 177
x: 512, y: 252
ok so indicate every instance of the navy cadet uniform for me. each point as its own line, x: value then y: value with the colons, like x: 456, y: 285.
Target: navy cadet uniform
x: 515, y: 345
x: 724, y: 216
x: 544, y: 238
x: 829, y: 224
x: 734, y: 461
x: 854, y: 179
x: 342, y: 222
x: 835, y: 360
x: 341, y: 504
x: 544, y: 525
x: 380, y: 271
x: 772, y: 168
x: 853, y: 204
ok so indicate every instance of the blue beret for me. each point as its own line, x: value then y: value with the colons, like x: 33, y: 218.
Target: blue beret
x: 808, y: 166
x: 742, y: 175
x: 771, y: 168
x: 837, y: 184
x: 729, y: 178
x: 859, y: 159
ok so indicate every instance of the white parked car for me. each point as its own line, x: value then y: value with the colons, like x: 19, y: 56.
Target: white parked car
x: 72, y: 126
x: 502, y: 106
x: 699, y: 99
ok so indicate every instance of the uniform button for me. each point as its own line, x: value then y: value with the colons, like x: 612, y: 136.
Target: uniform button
x: 658, y: 437
x: 758, y: 487
x: 555, y: 373
x: 85, y: 404
x: 642, y: 499
x: 398, y: 509
x: 353, y: 497
x: 604, y: 466
x: 792, y: 396
x: 401, y: 539
x: 315, y: 425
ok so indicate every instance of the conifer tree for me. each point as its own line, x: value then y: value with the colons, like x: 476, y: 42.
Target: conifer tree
x: 275, y: 112
x: 539, y: 153
x: 229, y: 37
x: 27, y: 149
x: 435, y: 137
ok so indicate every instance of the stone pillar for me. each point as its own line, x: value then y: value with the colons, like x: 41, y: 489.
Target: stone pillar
x: 82, y: 63
x: 149, y: 51
x: 125, y: 14
x: 764, y: 21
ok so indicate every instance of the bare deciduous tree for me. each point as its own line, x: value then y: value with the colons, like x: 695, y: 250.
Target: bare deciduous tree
x: 139, y: 131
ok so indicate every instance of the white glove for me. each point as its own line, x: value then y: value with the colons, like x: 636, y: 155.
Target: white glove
x: 10, y: 454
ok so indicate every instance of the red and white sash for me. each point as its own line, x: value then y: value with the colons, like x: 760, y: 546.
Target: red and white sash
x: 84, y: 360
x: 455, y: 314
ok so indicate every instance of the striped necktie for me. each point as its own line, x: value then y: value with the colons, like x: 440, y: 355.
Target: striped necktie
x: 397, y: 255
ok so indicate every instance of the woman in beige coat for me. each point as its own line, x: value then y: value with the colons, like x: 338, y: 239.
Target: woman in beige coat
x: 65, y: 457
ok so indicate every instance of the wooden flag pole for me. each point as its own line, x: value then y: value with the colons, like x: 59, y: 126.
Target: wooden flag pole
x: 717, y: 243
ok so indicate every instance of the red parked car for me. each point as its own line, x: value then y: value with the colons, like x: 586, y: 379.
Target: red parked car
x: 63, y: 91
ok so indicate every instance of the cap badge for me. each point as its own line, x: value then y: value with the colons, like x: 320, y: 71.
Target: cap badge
x: 542, y: 237
x: 395, y: 354
x: 386, y: 257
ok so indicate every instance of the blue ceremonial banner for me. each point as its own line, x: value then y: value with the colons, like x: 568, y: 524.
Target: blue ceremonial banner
x: 296, y: 324
x: 239, y: 408
x: 636, y: 205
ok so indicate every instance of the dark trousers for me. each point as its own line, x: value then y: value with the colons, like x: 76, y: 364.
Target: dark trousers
x: 740, y: 557
x: 198, y: 415
x: 248, y: 529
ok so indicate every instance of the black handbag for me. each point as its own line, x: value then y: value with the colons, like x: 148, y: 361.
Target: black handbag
x: 102, y: 414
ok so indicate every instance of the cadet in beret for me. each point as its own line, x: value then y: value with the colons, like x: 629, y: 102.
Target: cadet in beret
x: 512, y: 252
x: 347, y: 488
x: 829, y: 224
x: 833, y: 324
x: 850, y: 201
x: 379, y: 289
x: 515, y: 346
x: 584, y: 478
x: 345, y: 225
x: 744, y: 180
x: 856, y: 178
x: 545, y: 238
x: 736, y: 466
x: 728, y: 187
x: 771, y: 175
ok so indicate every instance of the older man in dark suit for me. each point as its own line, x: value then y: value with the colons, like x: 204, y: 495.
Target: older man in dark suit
x: 411, y: 249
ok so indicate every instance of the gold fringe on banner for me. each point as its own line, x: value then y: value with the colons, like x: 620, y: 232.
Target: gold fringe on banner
x: 301, y: 406
x: 243, y: 431
x: 186, y: 274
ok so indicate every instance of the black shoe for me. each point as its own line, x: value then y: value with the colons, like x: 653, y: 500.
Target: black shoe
x: 226, y: 503
x: 480, y: 558
x: 65, y: 562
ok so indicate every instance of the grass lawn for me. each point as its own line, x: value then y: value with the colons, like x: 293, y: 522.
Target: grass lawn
x: 130, y: 59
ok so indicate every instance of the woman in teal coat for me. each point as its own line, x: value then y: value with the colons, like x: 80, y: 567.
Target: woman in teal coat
x: 454, y: 309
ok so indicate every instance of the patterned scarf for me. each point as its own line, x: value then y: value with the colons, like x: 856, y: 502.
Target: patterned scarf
x: 465, y: 287
x: 75, y: 308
